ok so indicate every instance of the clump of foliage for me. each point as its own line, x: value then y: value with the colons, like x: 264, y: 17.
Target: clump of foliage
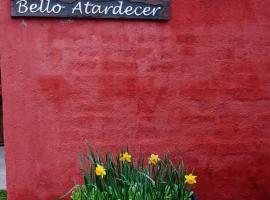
x: 3, y: 195
x: 122, y: 178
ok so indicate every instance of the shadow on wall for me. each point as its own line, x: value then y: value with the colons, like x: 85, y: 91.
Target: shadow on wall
x: 2, y: 159
x: 1, y: 114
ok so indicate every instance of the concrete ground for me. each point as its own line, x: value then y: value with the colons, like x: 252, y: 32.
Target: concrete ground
x: 2, y: 170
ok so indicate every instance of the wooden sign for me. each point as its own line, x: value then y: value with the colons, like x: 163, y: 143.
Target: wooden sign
x: 116, y: 9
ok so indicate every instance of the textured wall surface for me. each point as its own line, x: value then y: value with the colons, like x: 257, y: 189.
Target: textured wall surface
x: 197, y: 86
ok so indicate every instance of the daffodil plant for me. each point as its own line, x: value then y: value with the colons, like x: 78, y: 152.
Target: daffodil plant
x: 123, y: 178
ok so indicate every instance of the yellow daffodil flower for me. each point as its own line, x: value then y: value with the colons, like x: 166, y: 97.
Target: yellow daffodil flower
x: 125, y: 157
x: 154, y: 159
x: 190, y: 179
x: 100, y: 171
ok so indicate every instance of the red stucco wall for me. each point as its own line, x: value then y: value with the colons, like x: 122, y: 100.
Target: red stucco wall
x: 197, y: 86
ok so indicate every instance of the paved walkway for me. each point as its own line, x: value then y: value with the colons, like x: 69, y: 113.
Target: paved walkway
x: 2, y: 170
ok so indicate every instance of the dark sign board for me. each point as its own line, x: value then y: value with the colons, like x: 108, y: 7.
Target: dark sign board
x: 126, y: 9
